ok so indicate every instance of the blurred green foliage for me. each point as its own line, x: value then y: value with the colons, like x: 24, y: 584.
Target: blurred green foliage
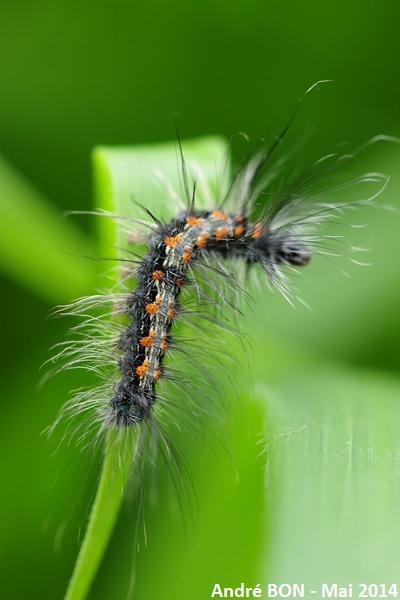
x: 75, y: 75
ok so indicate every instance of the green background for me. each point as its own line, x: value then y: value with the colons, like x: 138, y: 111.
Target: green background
x: 78, y: 74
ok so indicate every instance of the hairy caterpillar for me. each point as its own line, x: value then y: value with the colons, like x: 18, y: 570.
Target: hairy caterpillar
x: 154, y: 304
x: 269, y: 216
x: 149, y: 373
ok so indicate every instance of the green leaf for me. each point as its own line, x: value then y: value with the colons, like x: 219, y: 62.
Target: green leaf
x: 38, y: 250
x: 121, y: 173
x: 103, y: 516
x: 326, y: 503
x: 334, y: 477
x: 130, y: 178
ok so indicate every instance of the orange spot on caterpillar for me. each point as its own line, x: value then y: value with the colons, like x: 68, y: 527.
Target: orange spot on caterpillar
x: 142, y: 369
x: 158, y: 300
x: 187, y: 255
x: 157, y: 374
x: 239, y: 219
x: 202, y: 240
x: 146, y: 341
x: 238, y: 230
x: 152, y: 333
x: 219, y: 215
x: 158, y: 275
x: 151, y: 308
x: 164, y: 345
x: 192, y: 221
x: 222, y: 233
x: 257, y: 231
x: 170, y: 241
x: 179, y: 282
x: 171, y: 313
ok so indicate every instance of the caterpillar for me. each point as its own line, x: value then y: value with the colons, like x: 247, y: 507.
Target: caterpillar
x: 154, y: 304
x: 268, y: 217
x: 193, y: 274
